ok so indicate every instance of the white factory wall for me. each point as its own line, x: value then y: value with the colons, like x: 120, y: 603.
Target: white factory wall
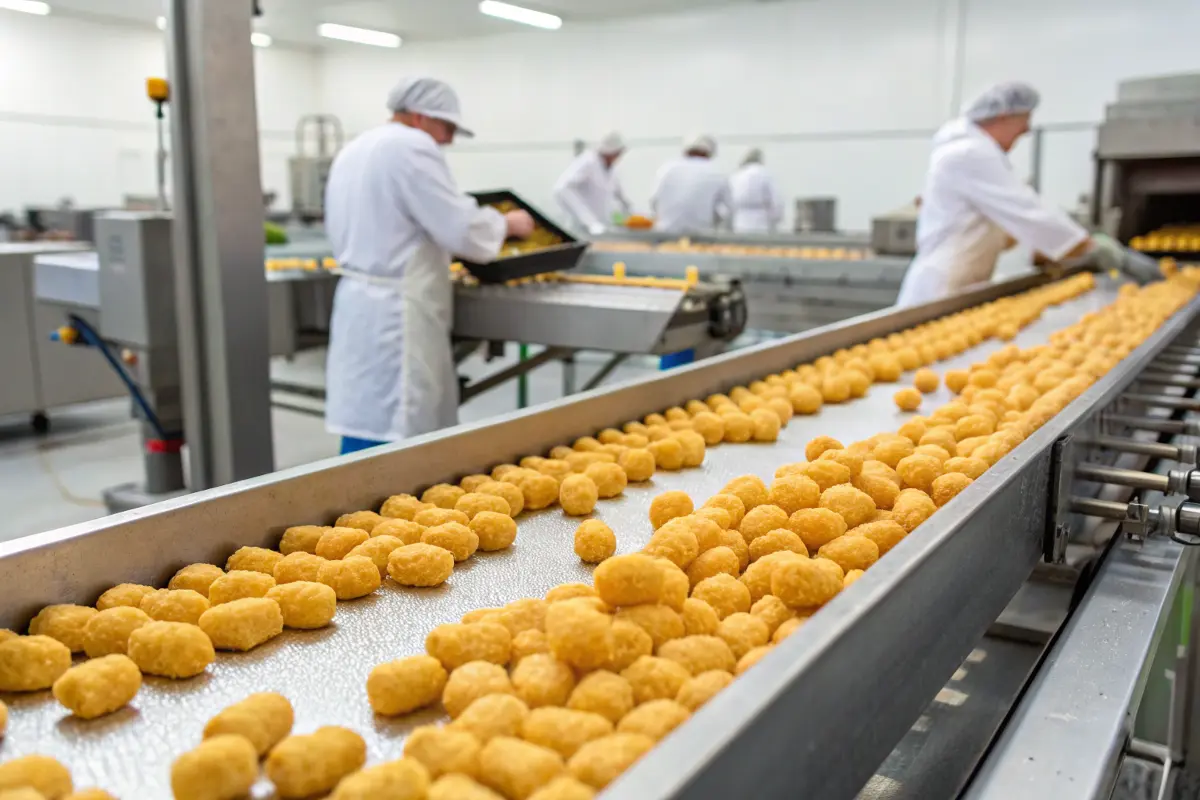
x: 74, y: 117
x: 842, y: 94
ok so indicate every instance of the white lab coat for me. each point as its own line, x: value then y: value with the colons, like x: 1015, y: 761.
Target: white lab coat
x: 590, y: 192
x: 691, y: 195
x: 757, y: 203
x: 971, y: 204
x: 394, y: 218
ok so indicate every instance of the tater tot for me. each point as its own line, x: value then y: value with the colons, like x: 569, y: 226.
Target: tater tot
x: 264, y: 718
x: 628, y: 642
x: 675, y: 542
x: 766, y: 425
x: 750, y: 489
x: 891, y: 450
x: 702, y: 688
x: 668, y: 506
x: 772, y: 611
x: 564, y: 730
x: 196, y: 577
x: 569, y: 591
x: 471, y: 483
x: 757, y: 577
x: 598, y: 763
x: 700, y: 653
x: 609, y: 479
x: 594, y: 541
x: 971, y: 467
x: 171, y: 649
x: 715, y: 561
x: 919, y: 471
x: 460, y: 787
x: 956, y: 379
x: 401, y: 506
x: 737, y: 543
x: 420, y: 565
x: 495, y: 531
x: 694, y: 447
x: 578, y: 495
x: 98, y: 686
x: 123, y: 594
x: 926, y: 381
x: 628, y: 580
x: 806, y: 583
x: 774, y: 541
x: 668, y: 453
x: 175, y: 605
x: 854, y: 506
x: 654, y: 678
x: 350, y: 578
x: 256, y: 559
x: 730, y: 503
x: 710, y: 426
x: 244, y: 624
x: 456, y: 538
x: 221, y: 768
x: 508, y: 492
x: 473, y: 503
x: 912, y: 508
x: 751, y: 658
x: 305, y: 765
x: 493, y: 715
x: 108, y: 631
x: 539, y: 491
x: 238, y: 584
x: 444, y: 750
x: 885, y: 533
x: 558, y: 467
x: 913, y: 430
x: 879, y: 488
x: 604, y: 693
x: 471, y: 681
x: 699, y: 618
x: 907, y: 399
x: 379, y: 550
x: 363, y: 520
x: 849, y: 458
x: 738, y: 426
x: 654, y: 719
x: 851, y: 552
x: 398, y: 687
x: 946, y: 487
x: 825, y: 473
x: 638, y: 464
x: 455, y: 644
x: 720, y: 516
x: 44, y: 778
x: 819, y: 444
x: 66, y: 623
x: 299, y: 566
x: 726, y: 594
x: 761, y: 520
x: 517, y: 768
x: 742, y: 632
x: 403, y: 779
x: 542, y: 680
x: 301, y: 539
x: 432, y: 517
x: 816, y: 526
x: 527, y: 643
x: 578, y: 634
x: 941, y: 436
x: 406, y: 531
x: 835, y: 389
x: 442, y: 495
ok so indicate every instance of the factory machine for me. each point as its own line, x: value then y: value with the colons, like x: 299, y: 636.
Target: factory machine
x: 1016, y: 645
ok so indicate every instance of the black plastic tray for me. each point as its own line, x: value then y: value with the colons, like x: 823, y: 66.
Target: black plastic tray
x: 561, y: 257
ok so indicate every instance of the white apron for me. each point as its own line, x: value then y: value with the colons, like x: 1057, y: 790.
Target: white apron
x: 962, y: 261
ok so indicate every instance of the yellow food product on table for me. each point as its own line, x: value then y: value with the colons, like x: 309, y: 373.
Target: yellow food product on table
x: 98, y: 686
x: 594, y: 541
x: 401, y: 506
x: 578, y: 495
x: 350, y: 578
x: 983, y: 378
x: 751, y: 658
x: 668, y: 454
x: 526, y: 643
x: 940, y: 436
x: 738, y: 426
x: 937, y: 452
x: 472, y: 681
x: 885, y: 533
x: 542, y: 680
x: 493, y: 715
x: 732, y: 504
x: 761, y: 520
x: 569, y: 591
x: 835, y: 389
x: 299, y: 566
x: 715, y: 561
x: 336, y: 542
x: 788, y: 628
x: 971, y: 467
x: 750, y: 489
x: 221, y: 768
x: 852, y: 576
x: 196, y: 577
x: 123, y: 594
x: 702, y: 688
x: 629, y: 641
x: 694, y: 447
x: 455, y: 537
x: 609, y: 478
x: 301, y: 539
x: 304, y: 765
x: 726, y: 594
x: 849, y: 458
x: 654, y: 719
x: 907, y: 399
x: 912, y: 508
x: 171, y: 649
x: 676, y: 543
x: 41, y: 773
x: 88, y: 794
x: 699, y: 618
x: 66, y: 623
x: 579, y: 462
x: 460, y: 787
x: 654, y: 678
x: 508, y: 492
x: 720, y: 516
x: 442, y: 495
x: 363, y: 520
x: 264, y: 719
x: 700, y: 653
x: 743, y: 632
x: 564, y: 730
x: 880, y: 489
x: 238, y: 584
x: 564, y: 787
x: 444, y: 750
x: 857, y: 381
x: 823, y: 472
x: 892, y: 450
x: 638, y: 464
x: 766, y: 425
x: 919, y: 471
x: 257, y: 559
x: 604, y: 693
x: 403, y: 779
x: 379, y: 550
x: 757, y: 577
x: 710, y: 426
x: 175, y: 605
x: 108, y: 631
x: 816, y: 526
x: 956, y: 379
x: 455, y: 644
x: 243, y: 624
x: 471, y: 483
x: 851, y: 552
x: 946, y: 487
x: 628, y: 580
x: 495, y: 531
x: 913, y: 429
x: 420, y: 565
x: 473, y: 503
x: 517, y: 768
x: 772, y: 611
x: 598, y: 763
x: 806, y: 583
x: 540, y: 491
x: 433, y: 517
x: 854, y: 505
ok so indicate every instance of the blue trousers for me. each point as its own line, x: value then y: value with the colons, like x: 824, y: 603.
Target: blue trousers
x: 353, y: 445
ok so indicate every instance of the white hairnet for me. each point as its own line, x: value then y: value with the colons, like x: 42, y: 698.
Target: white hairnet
x: 753, y: 156
x: 428, y: 97
x: 700, y: 143
x: 611, y: 145
x: 1002, y: 100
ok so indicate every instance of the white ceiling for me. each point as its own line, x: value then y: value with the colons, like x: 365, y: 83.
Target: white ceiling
x: 295, y: 21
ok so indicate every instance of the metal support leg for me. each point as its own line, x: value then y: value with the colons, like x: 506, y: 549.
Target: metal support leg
x: 523, y: 380
x: 220, y: 286
x: 617, y: 360
x: 1185, y: 427
x: 568, y: 375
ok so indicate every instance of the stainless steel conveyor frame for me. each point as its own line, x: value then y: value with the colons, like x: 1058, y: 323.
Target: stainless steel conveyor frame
x: 824, y: 709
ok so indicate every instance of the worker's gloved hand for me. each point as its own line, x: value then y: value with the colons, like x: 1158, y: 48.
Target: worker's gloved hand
x: 1108, y: 254
x: 596, y: 228
x: 520, y: 224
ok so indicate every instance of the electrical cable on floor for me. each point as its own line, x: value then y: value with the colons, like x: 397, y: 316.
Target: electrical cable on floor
x: 60, y: 486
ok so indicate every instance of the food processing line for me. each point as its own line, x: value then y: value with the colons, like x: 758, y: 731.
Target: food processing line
x: 1017, y: 645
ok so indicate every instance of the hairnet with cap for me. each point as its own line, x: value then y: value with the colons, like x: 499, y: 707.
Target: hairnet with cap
x: 753, y: 156
x: 700, y: 143
x: 1002, y: 100
x: 428, y: 97
x: 611, y: 145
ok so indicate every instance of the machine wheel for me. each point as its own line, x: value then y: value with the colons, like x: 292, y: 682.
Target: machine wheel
x: 40, y: 422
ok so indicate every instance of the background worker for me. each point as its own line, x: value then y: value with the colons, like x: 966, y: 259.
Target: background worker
x: 758, y: 206
x: 691, y: 194
x: 589, y: 191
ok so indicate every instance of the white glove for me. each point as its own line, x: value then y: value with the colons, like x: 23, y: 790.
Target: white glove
x: 1108, y: 254
x: 597, y: 228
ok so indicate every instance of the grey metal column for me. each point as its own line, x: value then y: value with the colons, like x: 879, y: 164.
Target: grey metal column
x: 220, y: 284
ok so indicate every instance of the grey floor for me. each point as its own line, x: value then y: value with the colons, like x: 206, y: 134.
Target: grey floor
x: 50, y: 481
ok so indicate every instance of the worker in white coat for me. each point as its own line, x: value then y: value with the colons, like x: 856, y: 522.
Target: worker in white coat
x: 691, y: 194
x: 757, y: 203
x: 973, y: 206
x: 589, y: 190
x: 395, y: 219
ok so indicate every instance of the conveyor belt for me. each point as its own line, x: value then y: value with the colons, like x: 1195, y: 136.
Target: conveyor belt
x: 324, y: 672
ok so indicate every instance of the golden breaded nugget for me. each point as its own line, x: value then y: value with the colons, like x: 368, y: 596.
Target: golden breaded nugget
x: 403, y: 779
x: 854, y: 506
x: 578, y: 634
x: 774, y: 541
x: 907, y: 399
x: 350, y: 578
x: 956, y: 379
x: 175, y: 605
x: 851, y: 552
x: 401, y: 506
x: 398, y: 687
x: 171, y: 649
x: 363, y: 520
x: 699, y: 618
x: 806, y: 582
x: 238, y: 584
x: 540, y: 491
x: 668, y: 453
x: 569, y: 591
x: 379, y: 550
x: 542, y: 680
x: 766, y: 425
x: 757, y: 577
x: 675, y: 543
x: 805, y: 399
x: 564, y: 730
x: 661, y: 622
x: 493, y: 715
x: 594, y: 541
x: 742, y: 632
x: 598, y: 763
x: 722, y: 518
x: 654, y: 678
x: 851, y: 577
x: 460, y: 787
x: 628, y: 643
x: 577, y: 495
x: 604, y: 693
x: 432, y: 517
x: 108, y: 631
x: 517, y: 768
x: 913, y: 429
x: 710, y: 426
x: 816, y: 526
x: 66, y: 623
x: 699, y: 653
x: 738, y: 426
x: 472, y: 681
x: 455, y: 644
x: 946, y: 487
x: 912, y: 508
x: 926, y: 381
x: 638, y: 464
x: 751, y: 658
x: 442, y: 495
x: 508, y: 492
x: 939, y: 453
x: 256, y: 559
x: 850, y: 458
x: 98, y: 686
x: 44, y: 776
x: 885, y: 533
x: 628, y: 580
x: 473, y: 503
x: 971, y: 467
x: 750, y: 489
x: 825, y: 473
x: 420, y: 565
x: 444, y: 750
x: 818, y: 445
x: 243, y: 624
x: 881, y: 490
x: 891, y: 450
x: 654, y: 719
x: 772, y: 611
x: 301, y: 539
x: 726, y: 594
x: 298, y: 566
x: 526, y: 643
x: 762, y: 520
x: 304, y: 765
x: 942, y: 437
x: 123, y: 594
x: 715, y: 561
x: 730, y: 503
x: 471, y: 483
x: 263, y: 718
x: 495, y: 531
x: 702, y: 688
x: 335, y: 543
x: 787, y: 629
x: 793, y: 492
x: 196, y: 577
x: 610, y: 479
